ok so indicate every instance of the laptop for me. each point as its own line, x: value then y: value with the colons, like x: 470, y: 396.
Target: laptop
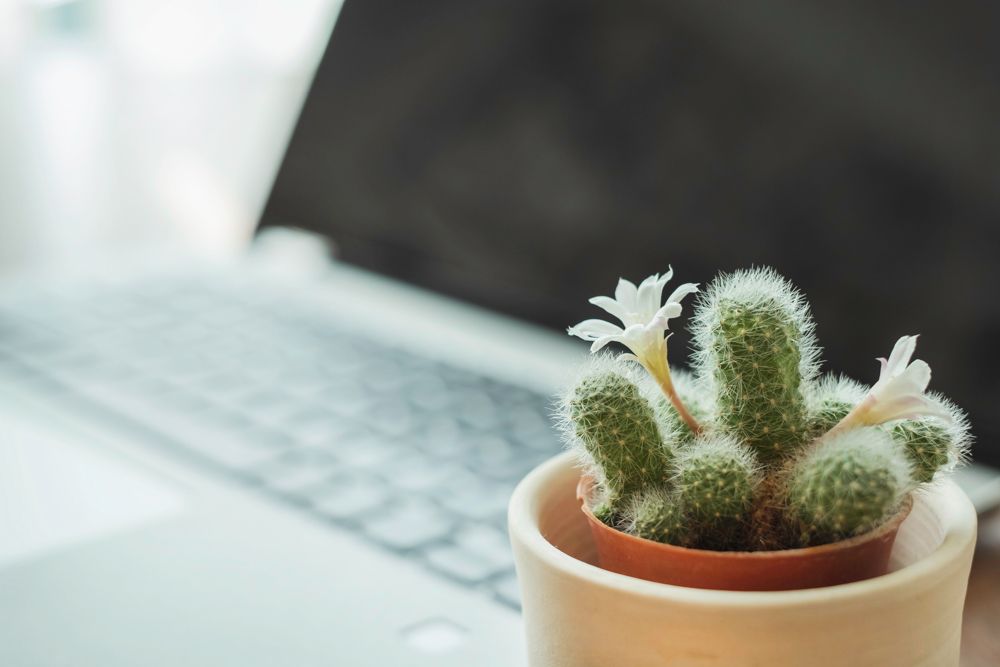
x: 303, y: 457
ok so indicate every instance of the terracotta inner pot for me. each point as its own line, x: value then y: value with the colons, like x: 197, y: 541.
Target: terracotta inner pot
x: 861, y: 557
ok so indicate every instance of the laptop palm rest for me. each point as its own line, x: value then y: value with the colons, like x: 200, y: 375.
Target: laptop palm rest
x: 54, y: 494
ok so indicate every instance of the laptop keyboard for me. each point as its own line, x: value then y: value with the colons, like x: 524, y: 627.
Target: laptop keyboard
x: 414, y: 455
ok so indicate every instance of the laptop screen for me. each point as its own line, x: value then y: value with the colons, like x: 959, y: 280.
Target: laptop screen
x: 523, y: 154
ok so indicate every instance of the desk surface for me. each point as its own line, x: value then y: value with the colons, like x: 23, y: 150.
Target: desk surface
x: 981, y: 625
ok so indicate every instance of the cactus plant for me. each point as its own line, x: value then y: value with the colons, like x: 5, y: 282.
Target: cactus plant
x: 755, y: 449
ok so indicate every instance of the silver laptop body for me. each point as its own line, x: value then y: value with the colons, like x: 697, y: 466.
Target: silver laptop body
x: 340, y: 504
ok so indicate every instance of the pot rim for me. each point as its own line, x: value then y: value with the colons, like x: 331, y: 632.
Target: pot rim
x: 586, y: 483
x: 955, y: 512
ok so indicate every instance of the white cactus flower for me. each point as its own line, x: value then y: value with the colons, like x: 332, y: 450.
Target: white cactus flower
x: 899, y: 392
x: 644, y: 320
x: 644, y: 324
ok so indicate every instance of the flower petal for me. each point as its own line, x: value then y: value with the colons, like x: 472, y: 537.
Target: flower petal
x: 611, y: 306
x: 648, y: 297
x: 604, y: 340
x: 638, y: 340
x: 917, y: 375
x: 908, y: 406
x: 899, y: 391
x: 932, y: 408
x: 670, y: 310
x: 594, y: 329
x: 902, y: 351
x: 664, y: 279
x: 681, y: 292
x: 883, y: 376
x: 625, y: 294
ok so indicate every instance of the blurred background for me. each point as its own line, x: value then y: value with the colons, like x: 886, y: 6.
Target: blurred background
x: 130, y: 122
x: 524, y: 154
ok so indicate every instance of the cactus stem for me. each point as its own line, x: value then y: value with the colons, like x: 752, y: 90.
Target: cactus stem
x: 851, y: 419
x: 656, y: 365
x: 667, y: 386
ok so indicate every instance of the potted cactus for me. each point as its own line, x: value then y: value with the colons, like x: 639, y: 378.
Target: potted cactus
x: 756, y: 452
x: 755, y: 472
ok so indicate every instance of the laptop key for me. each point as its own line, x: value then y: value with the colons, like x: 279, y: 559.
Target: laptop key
x: 346, y: 398
x: 304, y: 382
x: 507, y: 591
x: 219, y: 445
x: 365, y: 451
x: 418, y: 474
x: 268, y: 405
x: 296, y: 472
x: 409, y: 526
x: 478, y: 410
x: 530, y: 427
x: 488, y: 541
x: 429, y: 392
x: 349, y: 498
x: 385, y: 377
x: 490, y: 450
x: 442, y: 438
x: 230, y: 452
x: 266, y: 436
x: 466, y: 566
x: 224, y: 384
x: 315, y: 427
x: 512, y: 470
x: 476, y: 501
x: 393, y: 419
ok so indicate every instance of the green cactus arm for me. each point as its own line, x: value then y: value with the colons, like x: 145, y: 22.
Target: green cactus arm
x: 656, y: 515
x: 829, y: 401
x: 755, y: 347
x: 927, y: 445
x: 847, y: 484
x: 934, y: 444
x: 610, y: 421
x: 715, y: 480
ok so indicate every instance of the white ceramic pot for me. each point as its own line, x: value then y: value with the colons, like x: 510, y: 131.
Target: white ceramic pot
x: 578, y: 615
